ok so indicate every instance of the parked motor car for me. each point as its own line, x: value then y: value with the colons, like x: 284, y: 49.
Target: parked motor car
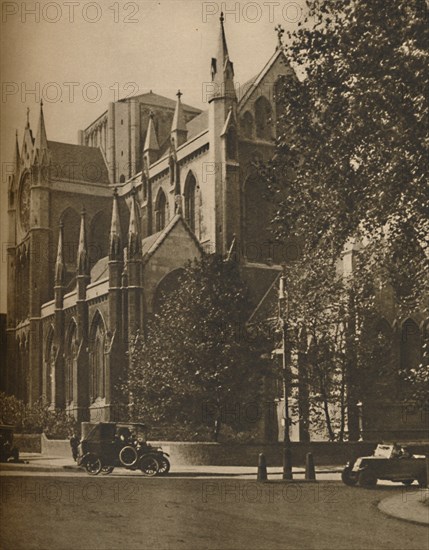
x: 109, y: 445
x: 8, y: 452
x: 389, y: 461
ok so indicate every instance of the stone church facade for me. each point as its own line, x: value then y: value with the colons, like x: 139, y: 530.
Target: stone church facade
x: 99, y: 230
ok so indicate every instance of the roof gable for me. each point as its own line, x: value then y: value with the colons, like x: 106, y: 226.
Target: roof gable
x: 154, y: 242
x: 277, y: 65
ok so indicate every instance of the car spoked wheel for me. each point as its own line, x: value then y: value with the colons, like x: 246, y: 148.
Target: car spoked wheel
x: 348, y: 477
x: 164, y: 465
x: 367, y: 479
x: 93, y: 465
x: 106, y: 470
x: 128, y: 456
x: 149, y: 465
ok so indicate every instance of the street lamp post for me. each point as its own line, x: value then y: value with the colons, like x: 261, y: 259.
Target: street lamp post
x: 283, y: 314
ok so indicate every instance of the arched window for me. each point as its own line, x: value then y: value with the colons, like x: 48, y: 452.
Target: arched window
x: 263, y: 114
x: 71, y: 358
x: 247, y: 124
x: 98, y: 245
x: 122, y: 178
x: 231, y: 144
x: 160, y: 211
x: 97, y: 359
x: 71, y: 224
x: 190, y: 201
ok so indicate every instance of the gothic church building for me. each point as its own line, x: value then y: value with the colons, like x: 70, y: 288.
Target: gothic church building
x: 99, y: 230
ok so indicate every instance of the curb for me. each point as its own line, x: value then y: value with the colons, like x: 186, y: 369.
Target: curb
x: 12, y: 467
x: 411, y: 509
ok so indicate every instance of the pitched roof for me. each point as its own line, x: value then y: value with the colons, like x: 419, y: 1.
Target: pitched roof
x: 99, y: 269
x: 151, y: 244
x: 248, y: 88
x: 242, y: 89
x: 198, y: 124
x: 160, y: 101
x: 77, y: 162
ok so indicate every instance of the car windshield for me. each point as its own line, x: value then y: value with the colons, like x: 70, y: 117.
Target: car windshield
x: 133, y: 431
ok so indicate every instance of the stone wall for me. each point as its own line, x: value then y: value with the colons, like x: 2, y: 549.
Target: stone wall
x: 217, y: 454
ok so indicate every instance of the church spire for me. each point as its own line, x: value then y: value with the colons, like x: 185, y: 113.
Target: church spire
x: 115, y: 244
x: 222, y: 49
x: 178, y: 128
x: 41, y: 143
x: 151, y: 145
x: 222, y: 69
x: 60, y: 268
x: 82, y: 252
x: 134, y: 240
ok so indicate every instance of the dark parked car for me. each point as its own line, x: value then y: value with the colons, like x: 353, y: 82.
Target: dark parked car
x: 109, y: 445
x: 8, y: 452
x: 391, y: 462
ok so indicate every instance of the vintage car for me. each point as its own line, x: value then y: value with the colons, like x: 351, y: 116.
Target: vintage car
x: 109, y: 445
x: 8, y: 452
x: 389, y: 461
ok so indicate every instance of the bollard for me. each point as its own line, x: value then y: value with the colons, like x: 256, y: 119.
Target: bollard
x: 287, y: 464
x: 262, y: 468
x: 310, y: 473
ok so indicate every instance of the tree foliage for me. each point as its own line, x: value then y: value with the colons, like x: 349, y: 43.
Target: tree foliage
x: 353, y: 146
x: 197, y: 366
x: 35, y: 418
x: 350, y: 169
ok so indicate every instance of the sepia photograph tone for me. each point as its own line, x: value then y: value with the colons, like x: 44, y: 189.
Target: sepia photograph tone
x: 214, y: 276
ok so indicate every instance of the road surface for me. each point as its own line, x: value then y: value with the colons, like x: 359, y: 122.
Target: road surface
x: 115, y: 512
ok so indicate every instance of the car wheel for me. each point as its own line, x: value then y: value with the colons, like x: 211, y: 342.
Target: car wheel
x: 407, y: 482
x: 106, y: 470
x: 149, y: 465
x: 348, y: 477
x: 164, y: 465
x: 93, y: 465
x: 128, y: 456
x: 367, y: 479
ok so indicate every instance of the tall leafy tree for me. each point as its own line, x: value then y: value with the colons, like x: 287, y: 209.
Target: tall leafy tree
x: 198, y: 366
x: 353, y: 144
x: 351, y: 166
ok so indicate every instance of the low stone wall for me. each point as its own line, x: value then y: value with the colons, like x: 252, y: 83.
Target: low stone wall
x: 28, y: 443
x: 221, y: 454
x: 215, y: 454
x: 55, y: 447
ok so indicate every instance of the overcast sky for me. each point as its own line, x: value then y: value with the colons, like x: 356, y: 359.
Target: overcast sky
x: 78, y: 56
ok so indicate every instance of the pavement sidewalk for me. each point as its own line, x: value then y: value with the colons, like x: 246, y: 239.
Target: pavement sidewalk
x: 410, y: 505
x: 42, y: 463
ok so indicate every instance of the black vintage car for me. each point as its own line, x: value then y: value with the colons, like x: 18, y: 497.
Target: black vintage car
x: 389, y: 461
x: 8, y: 452
x: 109, y: 445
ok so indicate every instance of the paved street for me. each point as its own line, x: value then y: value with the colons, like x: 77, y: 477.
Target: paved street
x: 81, y: 512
